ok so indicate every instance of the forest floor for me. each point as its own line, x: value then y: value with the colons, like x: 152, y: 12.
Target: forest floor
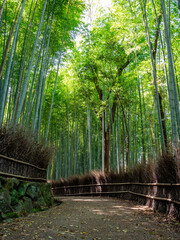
x: 92, y: 218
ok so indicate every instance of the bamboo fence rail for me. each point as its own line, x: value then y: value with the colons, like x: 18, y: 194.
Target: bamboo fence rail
x: 122, y: 192
x: 69, y: 190
x: 10, y: 167
x: 118, y: 184
x: 21, y: 162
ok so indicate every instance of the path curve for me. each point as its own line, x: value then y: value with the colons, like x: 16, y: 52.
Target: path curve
x: 92, y: 218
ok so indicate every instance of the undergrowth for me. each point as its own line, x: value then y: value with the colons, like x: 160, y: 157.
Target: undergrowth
x: 165, y: 170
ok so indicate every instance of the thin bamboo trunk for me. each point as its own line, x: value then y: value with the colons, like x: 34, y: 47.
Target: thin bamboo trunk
x: 57, y: 72
x: 154, y: 78
x: 25, y: 85
x: 42, y: 76
x: 169, y: 88
x: 142, y: 124
x: 2, y: 8
x: 89, y: 138
x: 179, y: 7
x: 9, y: 41
x: 117, y: 143
x: 123, y: 144
x: 172, y: 81
x: 22, y: 64
x: 6, y: 79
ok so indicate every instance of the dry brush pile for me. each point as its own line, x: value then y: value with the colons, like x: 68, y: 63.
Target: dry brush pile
x: 21, y: 144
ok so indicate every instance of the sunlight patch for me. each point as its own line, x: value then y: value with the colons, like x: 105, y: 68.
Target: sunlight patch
x: 89, y: 200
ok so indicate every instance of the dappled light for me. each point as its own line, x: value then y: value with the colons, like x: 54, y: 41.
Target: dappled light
x: 143, y: 208
x: 152, y: 185
x: 90, y: 200
x: 113, y: 209
x: 96, y: 218
x: 118, y: 210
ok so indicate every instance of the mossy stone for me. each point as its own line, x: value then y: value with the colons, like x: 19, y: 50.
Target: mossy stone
x: 22, y: 188
x: 14, y: 197
x: 18, y: 207
x: 5, y: 201
x: 21, y: 197
x: 9, y: 184
x: 16, y: 182
x: 3, y: 181
x: 32, y: 191
x: 2, y: 216
x: 27, y: 205
x: 40, y: 203
x: 38, y: 186
x: 47, y: 194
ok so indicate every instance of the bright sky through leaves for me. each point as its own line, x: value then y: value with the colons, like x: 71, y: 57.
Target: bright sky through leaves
x: 105, y: 3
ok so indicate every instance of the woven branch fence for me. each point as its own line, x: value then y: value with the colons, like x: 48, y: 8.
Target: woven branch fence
x: 10, y: 167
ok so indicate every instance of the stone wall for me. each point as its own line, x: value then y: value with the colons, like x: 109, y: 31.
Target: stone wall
x: 19, y: 198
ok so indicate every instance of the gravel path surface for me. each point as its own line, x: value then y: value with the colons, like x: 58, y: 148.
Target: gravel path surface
x: 92, y: 218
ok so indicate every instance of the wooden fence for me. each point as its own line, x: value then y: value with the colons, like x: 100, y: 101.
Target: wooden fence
x: 10, y: 167
x: 165, y: 192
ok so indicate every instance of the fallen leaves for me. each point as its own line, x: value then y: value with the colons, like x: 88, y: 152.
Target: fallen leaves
x: 70, y: 223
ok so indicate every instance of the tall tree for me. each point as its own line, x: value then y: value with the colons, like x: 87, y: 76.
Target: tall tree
x: 99, y: 68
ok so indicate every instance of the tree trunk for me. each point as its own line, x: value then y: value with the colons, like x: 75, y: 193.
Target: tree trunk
x: 123, y: 143
x: 2, y: 8
x: 117, y: 143
x: 171, y: 94
x: 106, y: 150
x: 6, y: 79
x: 26, y: 81
x: 9, y: 42
x: 22, y: 65
x: 172, y: 81
x: 179, y: 7
x: 154, y: 76
x: 142, y: 125
x: 57, y: 72
x: 163, y: 120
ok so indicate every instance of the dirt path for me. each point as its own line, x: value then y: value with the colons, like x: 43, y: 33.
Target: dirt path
x: 92, y: 218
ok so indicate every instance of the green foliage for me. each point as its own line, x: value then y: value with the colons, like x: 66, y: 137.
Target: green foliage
x: 103, y: 65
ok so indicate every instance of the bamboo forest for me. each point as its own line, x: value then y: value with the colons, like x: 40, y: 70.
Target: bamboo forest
x: 97, y: 80
x: 90, y: 119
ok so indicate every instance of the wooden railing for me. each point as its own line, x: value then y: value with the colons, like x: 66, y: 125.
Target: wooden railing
x: 154, y: 191
x: 10, y: 167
